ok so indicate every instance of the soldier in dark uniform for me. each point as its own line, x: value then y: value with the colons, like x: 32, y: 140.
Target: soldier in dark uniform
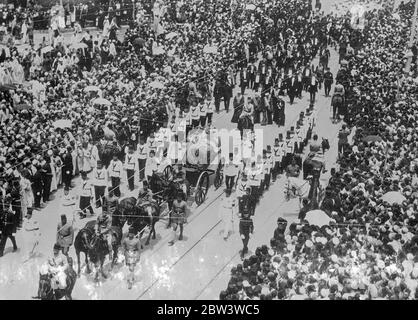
x: 246, y: 203
x: 246, y: 229
x: 7, y: 224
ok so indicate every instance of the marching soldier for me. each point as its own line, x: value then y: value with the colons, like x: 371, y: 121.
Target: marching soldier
x: 227, y: 212
x: 130, y: 166
x: 230, y: 171
x: 100, y: 179
x: 65, y: 234
x: 209, y: 110
x: 179, y: 217
x: 277, y: 156
x: 115, y: 174
x: 268, y: 166
x: 86, y: 194
x: 151, y: 165
x: 246, y: 229
x: 131, y: 247
x: 151, y: 143
x: 142, y: 154
x: 245, y: 203
x: 254, y: 182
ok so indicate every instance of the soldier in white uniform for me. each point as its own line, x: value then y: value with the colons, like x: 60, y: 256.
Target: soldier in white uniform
x: 85, y: 195
x: 226, y: 212
x: 131, y: 164
x: 100, y: 181
x: 142, y: 154
x: 115, y: 173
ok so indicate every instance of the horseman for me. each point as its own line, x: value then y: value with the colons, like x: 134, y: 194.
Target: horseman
x: 56, y: 268
x: 103, y: 227
x: 145, y: 195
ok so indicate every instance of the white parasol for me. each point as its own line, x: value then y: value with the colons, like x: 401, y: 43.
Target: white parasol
x: 47, y: 49
x: 157, y: 85
x: 91, y: 88
x: 62, y: 123
x: 318, y: 218
x: 210, y: 49
x: 102, y: 101
x: 171, y: 35
x: 392, y: 197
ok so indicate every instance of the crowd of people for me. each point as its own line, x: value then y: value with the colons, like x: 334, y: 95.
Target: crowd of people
x: 57, y: 80
x: 369, y: 250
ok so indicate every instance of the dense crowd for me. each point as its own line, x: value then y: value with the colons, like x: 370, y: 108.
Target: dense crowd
x: 370, y: 251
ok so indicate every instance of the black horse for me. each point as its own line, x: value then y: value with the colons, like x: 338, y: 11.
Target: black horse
x: 99, y: 249
x: 95, y: 247
x: 139, y: 217
x: 45, y: 289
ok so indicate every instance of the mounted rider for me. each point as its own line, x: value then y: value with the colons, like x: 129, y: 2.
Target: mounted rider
x: 145, y: 195
x: 56, y: 268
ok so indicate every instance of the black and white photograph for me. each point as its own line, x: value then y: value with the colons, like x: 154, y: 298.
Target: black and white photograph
x: 227, y: 151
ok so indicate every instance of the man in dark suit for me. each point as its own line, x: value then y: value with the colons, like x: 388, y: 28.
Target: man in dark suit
x: 37, y: 186
x: 328, y: 80
x: 218, y: 93
x: 7, y: 224
x: 67, y: 169
x: 292, y: 88
x: 47, y: 179
x: 243, y: 75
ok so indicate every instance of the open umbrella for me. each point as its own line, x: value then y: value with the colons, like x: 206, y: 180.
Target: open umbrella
x: 139, y: 42
x: 158, y: 50
x: 5, y: 87
x: 392, y: 197
x: 62, y: 123
x: 22, y: 106
x: 212, y: 49
x: 46, y: 49
x: 79, y: 45
x: 372, y: 138
x: 91, y: 88
x: 171, y: 35
x: 102, y: 101
x: 157, y: 85
x: 318, y: 218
